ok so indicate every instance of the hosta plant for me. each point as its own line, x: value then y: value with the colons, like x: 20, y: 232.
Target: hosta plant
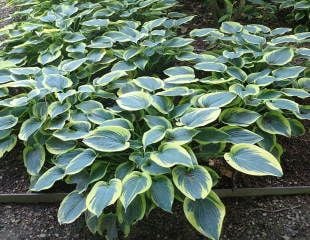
x: 120, y: 106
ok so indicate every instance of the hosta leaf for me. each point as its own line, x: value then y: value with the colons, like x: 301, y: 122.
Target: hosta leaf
x: 216, y: 99
x: 64, y: 95
x: 170, y: 155
x: 123, y: 66
x: 134, y: 101
x: 149, y: 83
x: 153, y: 135
x: 57, y: 108
x: 89, y: 106
x: 200, y: 117
x: 274, y: 123
x: 264, y: 81
x: 211, y: 67
x: 237, y: 73
x: 180, y: 70
x: 58, y: 122
x: 150, y: 25
x: 71, y: 207
x: 99, y: 116
x: 202, y: 32
x: 96, y: 55
x: 47, y: 179
x: 206, y: 215
x: 5, y: 133
x: 253, y: 39
x: 28, y: 128
x: 181, y: 79
x: 102, y: 195
x: 239, y: 117
x: 304, y: 83
x: 162, y: 192
x: 57, y: 146
x: 296, y: 92
x: 241, y: 135
x: 180, y: 135
x: 244, y: 92
x: 55, y: 82
x: 180, y: 75
x: 280, y: 31
x: 162, y: 104
x: 211, y: 135
x: 153, y: 168
x: 123, y: 169
x: 48, y: 57
x: 267, y: 94
x: 231, y: 27
x: 72, y: 65
x: 98, y: 171
x: 131, y: 52
x: 109, y: 77
x: 284, y: 104
x: 108, y: 139
x: 101, y: 43
x: 153, y: 121
x: 64, y: 159
x: 76, y: 48
x: 96, y: 23
x: 194, y: 183
x: 118, y: 122
x: 25, y: 70
x: 253, y: 160
x: 305, y: 52
x: 133, y: 213
x: 66, y: 134
x: 7, y: 144
x: 134, y: 184
x: 279, y: 57
x: 81, y: 161
x: 74, y: 37
x: 34, y: 158
x: 8, y: 122
x: 288, y: 72
x: 178, y: 42
x: 176, y: 91
x: 297, y: 129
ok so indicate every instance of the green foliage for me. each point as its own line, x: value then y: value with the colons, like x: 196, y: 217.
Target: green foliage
x: 108, y: 96
x: 296, y: 12
x: 299, y: 12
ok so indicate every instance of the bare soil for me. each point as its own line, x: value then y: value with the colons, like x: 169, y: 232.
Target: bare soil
x: 272, y: 218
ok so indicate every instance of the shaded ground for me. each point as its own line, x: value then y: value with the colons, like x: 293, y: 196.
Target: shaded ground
x: 4, y: 13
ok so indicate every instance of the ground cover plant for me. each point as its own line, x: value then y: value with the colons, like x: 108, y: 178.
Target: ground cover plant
x: 296, y: 12
x: 109, y: 96
x: 300, y: 12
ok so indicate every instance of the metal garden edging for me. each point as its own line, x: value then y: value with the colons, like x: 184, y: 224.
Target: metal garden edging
x: 223, y: 193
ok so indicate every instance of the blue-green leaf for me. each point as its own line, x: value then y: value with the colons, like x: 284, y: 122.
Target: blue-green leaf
x: 194, y: 183
x: 253, y: 160
x: 206, y: 215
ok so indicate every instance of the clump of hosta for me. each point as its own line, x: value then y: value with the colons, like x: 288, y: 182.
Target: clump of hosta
x: 103, y: 104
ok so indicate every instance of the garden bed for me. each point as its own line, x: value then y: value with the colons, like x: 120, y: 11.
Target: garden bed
x: 295, y: 162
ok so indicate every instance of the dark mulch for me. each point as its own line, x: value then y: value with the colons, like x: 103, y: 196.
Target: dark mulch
x: 272, y: 218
